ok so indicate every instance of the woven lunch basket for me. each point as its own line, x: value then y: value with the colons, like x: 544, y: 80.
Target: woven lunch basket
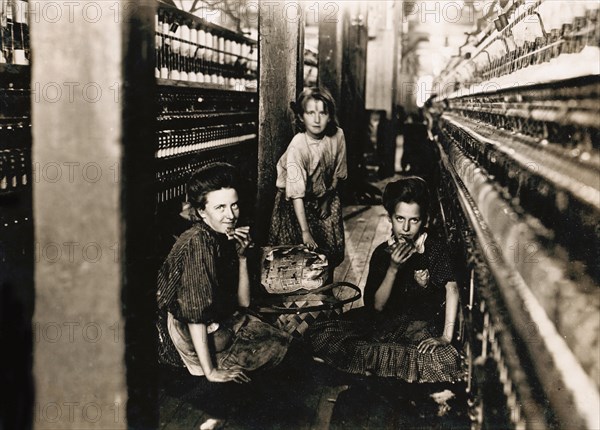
x: 295, y: 312
x: 289, y: 268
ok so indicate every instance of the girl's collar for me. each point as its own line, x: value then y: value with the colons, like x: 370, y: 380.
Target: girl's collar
x: 189, y: 212
x: 312, y: 140
x: 221, y: 238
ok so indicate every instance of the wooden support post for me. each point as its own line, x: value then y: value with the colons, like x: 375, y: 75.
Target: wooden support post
x: 380, y: 70
x: 139, y: 263
x: 352, y: 109
x: 330, y: 49
x: 93, y: 144
x: 281, y: 57
x: 398, y: 23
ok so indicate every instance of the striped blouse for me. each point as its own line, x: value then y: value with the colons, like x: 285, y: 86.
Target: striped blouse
x: 198, y: 281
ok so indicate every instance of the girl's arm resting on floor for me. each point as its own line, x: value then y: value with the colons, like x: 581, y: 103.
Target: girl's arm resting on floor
x: 199, y: 335
x: 451, y: 308
x: 429, y: 345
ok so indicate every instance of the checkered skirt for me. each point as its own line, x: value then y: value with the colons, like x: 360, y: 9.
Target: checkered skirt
x: 360, y: 347
x: 327, y: 232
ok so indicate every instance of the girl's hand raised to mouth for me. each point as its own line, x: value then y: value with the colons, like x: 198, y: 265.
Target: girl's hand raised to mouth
x: 401, y: 252
x: 242, y: 235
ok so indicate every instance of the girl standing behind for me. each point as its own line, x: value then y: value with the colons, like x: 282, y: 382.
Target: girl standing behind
x: 307, y: 206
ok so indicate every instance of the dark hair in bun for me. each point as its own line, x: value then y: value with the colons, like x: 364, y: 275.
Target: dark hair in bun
x: 209, y: 178
x: 412, y: 189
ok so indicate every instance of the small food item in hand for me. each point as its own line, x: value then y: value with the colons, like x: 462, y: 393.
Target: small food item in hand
x: 391, y: 246
x: 422, y: 277
x: 394, y: 242
x: 246, y: 229
x: 230, y: 233
x: 408, y: 240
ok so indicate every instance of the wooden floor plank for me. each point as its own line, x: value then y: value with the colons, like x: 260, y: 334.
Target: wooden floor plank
x: 346, y: 270
x: 382, y: 232
x: 168, y: 408
x: 349, y: 212
x: 360, y: 249
x: 351, y: 410
x: 353, y: 230
x: 284, y: 404
x: 326, y: 405
x: 161, y: 393
x: 187, y: 416
x: 381, y: 414
x: 363, y: 230
x: 311, y: 403
x: 353, y: 244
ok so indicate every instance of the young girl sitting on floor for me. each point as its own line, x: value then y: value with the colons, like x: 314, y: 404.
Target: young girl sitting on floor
x: 404, y: 331
x: 204, y: 287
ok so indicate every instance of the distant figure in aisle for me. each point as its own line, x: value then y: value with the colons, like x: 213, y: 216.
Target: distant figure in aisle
x: 373, y: 129
x: 399, y: 117
x: 415, y: 135
x: 420, y: 156
x: 406, y: 328
x: 382, y: 137
x: 204, y: 289
x: 307, y: 206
